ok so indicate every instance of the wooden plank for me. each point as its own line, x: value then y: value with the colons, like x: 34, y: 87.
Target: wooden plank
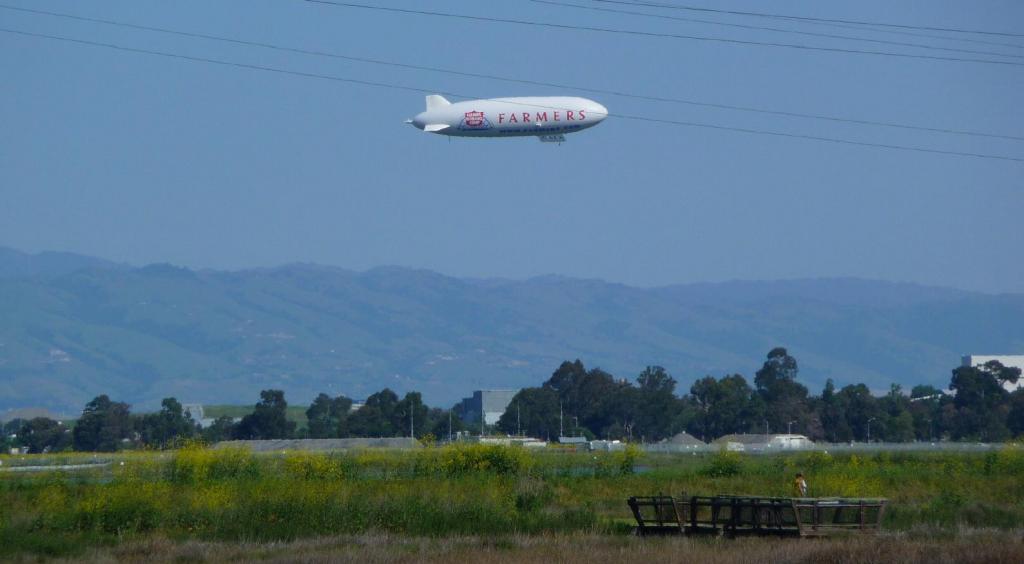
x: 796, y: 514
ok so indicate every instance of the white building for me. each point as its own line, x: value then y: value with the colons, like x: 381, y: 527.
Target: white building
x: 609, y: 446
x: 789, y: 442
x: 525, y: 442
x: 752, y: 442
x: 195, y: 410
x: 1008, y: 360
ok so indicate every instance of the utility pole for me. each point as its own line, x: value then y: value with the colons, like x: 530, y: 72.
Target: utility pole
x: 519, y: 428
x: 449, y: 425
x: 789, y: 429
x: 869, y: 428
x: 412, y: 433
x: 765, y: 430
x: 560, y: 432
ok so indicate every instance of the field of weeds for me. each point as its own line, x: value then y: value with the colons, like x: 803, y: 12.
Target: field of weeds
x: 967, y: 545
x: 219, y: 500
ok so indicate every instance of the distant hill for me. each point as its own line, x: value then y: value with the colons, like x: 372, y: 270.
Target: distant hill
x: 16, y: 264
x: 78, y: 327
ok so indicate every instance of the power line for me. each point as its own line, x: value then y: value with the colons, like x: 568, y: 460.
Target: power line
x: 669, y: 6
x: 810, y: 137
x: 819, y: 22
x: 913, y: 34
x: 774, y: 29
x: 618, y: 93
x: 657, y: 34
x: 218, y: 61
x: 375, y: 84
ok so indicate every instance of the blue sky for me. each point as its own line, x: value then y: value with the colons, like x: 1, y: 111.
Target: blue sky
x: 145, y: 159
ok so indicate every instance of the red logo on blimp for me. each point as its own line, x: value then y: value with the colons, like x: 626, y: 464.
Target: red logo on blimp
x: 475, y: 120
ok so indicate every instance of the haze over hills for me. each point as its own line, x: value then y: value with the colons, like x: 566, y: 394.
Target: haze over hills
x: 15, y: 264
x: 72, y: 327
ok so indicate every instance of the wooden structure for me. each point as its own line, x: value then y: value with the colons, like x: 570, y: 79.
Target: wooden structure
x: 750, y: 515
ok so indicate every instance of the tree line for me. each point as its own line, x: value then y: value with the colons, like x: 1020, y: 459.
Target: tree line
x: 593, y: 403
x: 597, y: 404
x: 107, y: 426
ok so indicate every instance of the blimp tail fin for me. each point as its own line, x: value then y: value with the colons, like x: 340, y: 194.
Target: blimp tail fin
x: 436, y: 101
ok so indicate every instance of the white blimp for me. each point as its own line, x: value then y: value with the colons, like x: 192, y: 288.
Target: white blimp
x: 548, y: 118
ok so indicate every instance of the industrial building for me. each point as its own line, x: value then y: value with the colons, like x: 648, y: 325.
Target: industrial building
x: 762, y: 443
x: 1008, y: 360
x: 490, y: 403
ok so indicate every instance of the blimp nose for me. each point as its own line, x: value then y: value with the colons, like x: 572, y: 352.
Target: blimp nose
x: 597, y: 110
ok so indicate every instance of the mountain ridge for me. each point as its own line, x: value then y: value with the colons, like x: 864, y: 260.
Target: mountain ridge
x: 211, y: 336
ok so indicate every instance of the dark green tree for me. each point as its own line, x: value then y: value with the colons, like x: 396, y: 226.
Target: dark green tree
x: 566, y: 377
x: 411, y: 416
x: 104, y: 426
x: 376, y: 418
x: 269, y: 419
x: 443, y: 423
x: 981, y: 404
x: 785, y: 400
x: 42, y: 434
x: 169, y: 426
x: 594, y: 402
x: 1003, y: 374
x: 898, y: 424
x: 926, y: 411
x: 657, y: 407
x: 13, y: 426
x: 864, y: 418
x: 9, y: 434
x: 723, y: 406
x: 328, y: 417
x: 534, y: 412
x: 1015, y: 417
x: 832, y: 412
x: 222, y: 429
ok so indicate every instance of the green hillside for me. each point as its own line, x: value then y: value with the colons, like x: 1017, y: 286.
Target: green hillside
x: 220, y: 337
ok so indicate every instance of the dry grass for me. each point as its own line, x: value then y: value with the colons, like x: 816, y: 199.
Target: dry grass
x: 940, y: 546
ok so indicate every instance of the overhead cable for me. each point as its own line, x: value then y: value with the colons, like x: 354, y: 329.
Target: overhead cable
x: 672, y: 6
x: 641, y: 33
x: 376, y: 84
x: 622, y: 94
x: 774, y: 29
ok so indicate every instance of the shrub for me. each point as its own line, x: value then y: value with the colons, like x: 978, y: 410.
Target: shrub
x: 817, y: 460
x: 313, y: 466
x: 724, y: 464
x: 123, y: 508
x: 627, y: 458
x: 459, y: 460
x: 196, y: 465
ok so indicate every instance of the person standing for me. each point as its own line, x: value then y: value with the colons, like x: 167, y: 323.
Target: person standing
x: 799, y: 485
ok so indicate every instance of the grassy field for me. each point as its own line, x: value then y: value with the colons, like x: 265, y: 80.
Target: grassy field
x: 224, y: 501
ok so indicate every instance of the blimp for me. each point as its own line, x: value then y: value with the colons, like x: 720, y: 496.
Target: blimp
x: 549, y: 118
